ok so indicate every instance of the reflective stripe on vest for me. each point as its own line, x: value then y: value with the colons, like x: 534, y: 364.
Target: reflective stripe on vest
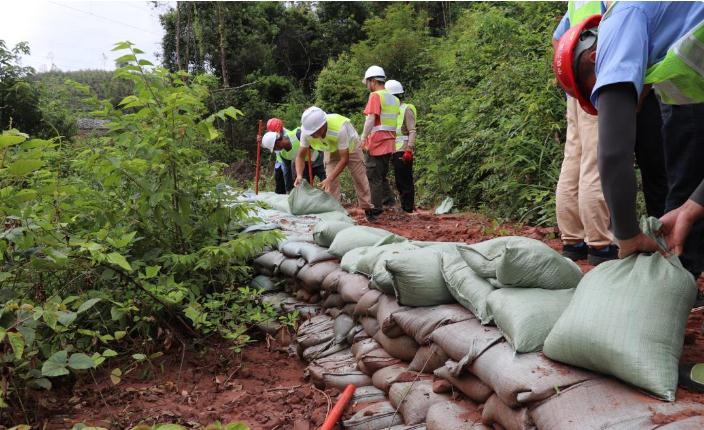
x: 329, y: 142
x: 578, y: 11
x: 295, y: 144
x: 390, y: 105
x: 401, y: 138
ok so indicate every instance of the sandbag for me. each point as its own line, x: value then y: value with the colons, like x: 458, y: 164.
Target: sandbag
x: 324, y: 232
x: 353, y: 287
x: 413, y: 399
x: 469, y: 289
x: 383, y: 378
x: 315, y: 338
x: 342, y: 326
x: 340, y: 363
x: 386, y: 307
x: 522, y: 378
x: 363, y: 347
x: 277, y: 202
x: 532, y: 263
x: 377, y: 359
x: 292, y: 248
x: 417, y: 277
x: 369, y: 299
x: 263, y: 283
x: 350, y: 260
x: 627, y: 319
x: 427, y: 359
x: 381, y: 278
x: 305, y: 310
x: 313, y: 253
x: 483, y: 257
x: 333, y: 301
x: 348, y: 308
x: 332, y: 281
x: 268, y: 264
x: 526, y: 315
x: 358, y: 236
x: 496, y: 412
x: 277, y: 300
x: 465, y: 341
x: 370, y: 324
x: 357, y: 329
x: 323, y: 350
x: 605, y: 404
x: 305, y: 199
x: 419, y: 323
x: 367, y: 393
x: 403, y: 347
x: 378, y: 253
x: 378, y: 416
x: 454, y: 415
x: 312, y: 275
x: 465, y: 382
x: 290, y: 267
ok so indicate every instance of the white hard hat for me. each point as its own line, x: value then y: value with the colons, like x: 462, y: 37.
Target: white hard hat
x: 269, y: 140
x: 374, y: 72
x: 394, y: 87
x: 312, y: 119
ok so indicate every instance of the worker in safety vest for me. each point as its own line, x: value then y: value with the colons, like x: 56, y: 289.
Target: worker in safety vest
x: 402, y: 159
x: 335, y: 136
x: 606, y: 63
x: 286, y: 145
x: 379, y: 136
x: 280, y: 175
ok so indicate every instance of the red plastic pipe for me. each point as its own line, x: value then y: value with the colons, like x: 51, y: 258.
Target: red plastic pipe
x: 259, y: 158
x: 310, y: 166
x: 339, y: 408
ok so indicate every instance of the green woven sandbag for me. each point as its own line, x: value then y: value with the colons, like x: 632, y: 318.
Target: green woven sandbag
x: 483, y: 257
x: 469, y: 289
x: 277, y: 202
x: 532, y: 263
x: 627, y: 319
x: 305, y: 199
x: 324, y: 232
x: 417, y: 278
x: 357, y: 236
x: 376, y: 254
x: 350, y: 261
x: 526, y: 315
x: 263, y: 283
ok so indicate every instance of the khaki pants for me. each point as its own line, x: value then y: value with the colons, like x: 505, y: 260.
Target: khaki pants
x: 357, y: 169
x: 582, y: 214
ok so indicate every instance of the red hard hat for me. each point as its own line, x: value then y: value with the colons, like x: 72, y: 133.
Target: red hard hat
x: 575, y: 41
x: 275, y: 124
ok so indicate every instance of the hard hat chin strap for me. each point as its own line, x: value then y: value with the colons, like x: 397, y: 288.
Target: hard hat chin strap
x: 587, y: 39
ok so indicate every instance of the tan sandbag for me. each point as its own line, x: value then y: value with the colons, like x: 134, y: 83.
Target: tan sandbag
x: 342, y: 380
x: 333, y: 301
x: 403, y: 347
x: 363, y: 347
x: 369, y: 299
x: 315, y: 338
x: 386, y: 307
x: 290, y: 267
x: 413, y: 399
x: 377, y: 359
x: 465, y: 341
x: 468, y: 384
x: 303, y: 295
x: 268, y: 264
x: 340, y: 362
x: 305, y: 310
x: 605, y: 404
x: 332, y: 281
x: 343, y: 325
x: 291, y: 248
x: 378, y: 416
x: 353, y: 287
x: 313, y: 253
x: 323, y: 350
x: 497, y: 412
x: 367, y: 393
x: 371, y: 326
x: 428, y: 358
x: 358, y: 337
x: 454, y: 415
x: 521, y: 378
x: 312, y: 275
x: 355, y: 330
x: 383, y: 378
x: 348, y: 309
x: 419, y: 323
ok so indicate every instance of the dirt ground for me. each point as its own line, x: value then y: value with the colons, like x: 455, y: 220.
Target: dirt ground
x: 264, y: 386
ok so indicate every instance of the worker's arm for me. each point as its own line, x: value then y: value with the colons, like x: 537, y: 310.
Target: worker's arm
x: 300, y: 165
x: 617, y: 138
x: 409, y: 120
x: 368, y: 125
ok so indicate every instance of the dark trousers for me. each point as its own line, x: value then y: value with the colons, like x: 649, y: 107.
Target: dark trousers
x: 377, y: 174
x: 650, y: 156
x: 403, y: 172
x: 279, y: 181
x: 683, y: 132
x: 289, y: 167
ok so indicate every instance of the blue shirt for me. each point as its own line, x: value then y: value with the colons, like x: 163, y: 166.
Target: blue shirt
x: 637, y: 35
x: 565, y: 24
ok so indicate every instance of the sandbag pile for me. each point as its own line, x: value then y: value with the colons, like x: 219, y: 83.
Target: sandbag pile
x: 410, y: 327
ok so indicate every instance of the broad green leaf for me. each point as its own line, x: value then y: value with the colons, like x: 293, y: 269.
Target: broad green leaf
x: 56, y: 365
x: 169, y: 427
x: 67, y: 317
x: 122, y: 45
x: 145, y: 63
x: 21, y: 427
x: 17, y: 343
x: 50, y: 318
x: 24, y: 166
x: 87, y: 305
x: 109, y: 353
x: 125, y: 58
x: 151, y: 271
x: 80, y: 361
x: 7, y: 140
x: 120, y: 334
x: 116, y: 376
x: 42, y: 383
x: 139, y: 357
x: 119, y: 260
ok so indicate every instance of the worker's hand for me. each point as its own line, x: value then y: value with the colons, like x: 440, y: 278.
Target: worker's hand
x: 325, y: 185
x: 298, y: 181
x: 638, y: 243
x: 407, y: 156
x: 677, y: 224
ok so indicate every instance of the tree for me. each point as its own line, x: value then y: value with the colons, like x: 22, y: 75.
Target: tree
x: 19, y: 99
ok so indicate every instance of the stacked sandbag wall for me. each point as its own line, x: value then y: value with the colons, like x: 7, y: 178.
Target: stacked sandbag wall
x: 444, y: 365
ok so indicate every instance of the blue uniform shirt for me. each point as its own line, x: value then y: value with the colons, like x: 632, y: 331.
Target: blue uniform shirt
x: 565, y: 24
x: 637, y: 35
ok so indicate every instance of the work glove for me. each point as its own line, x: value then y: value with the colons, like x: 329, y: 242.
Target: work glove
x: 407, y: 156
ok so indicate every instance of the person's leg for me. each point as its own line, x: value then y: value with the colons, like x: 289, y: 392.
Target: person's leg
x: 287, y: 169
x: 358, y: 170
x: 403, y: 173
x: 388, y: 195
x: 683, y: 137
x: 331, y: 160
x: 319, y: 172
x: 279, y: 184
x: 650, y: 156
x: 375, y: 177
x: 567, y: 203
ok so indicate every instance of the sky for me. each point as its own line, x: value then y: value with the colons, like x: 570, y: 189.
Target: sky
x: 75, y: 35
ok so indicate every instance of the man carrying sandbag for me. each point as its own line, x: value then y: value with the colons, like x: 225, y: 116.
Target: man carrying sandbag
x: 642, y: 44
x: 280, y: 175
x: 335, y: 136
x: 286, y: 145
x: 402, y: 159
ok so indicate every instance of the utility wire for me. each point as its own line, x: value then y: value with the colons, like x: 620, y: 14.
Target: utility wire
x: 102, y: 17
